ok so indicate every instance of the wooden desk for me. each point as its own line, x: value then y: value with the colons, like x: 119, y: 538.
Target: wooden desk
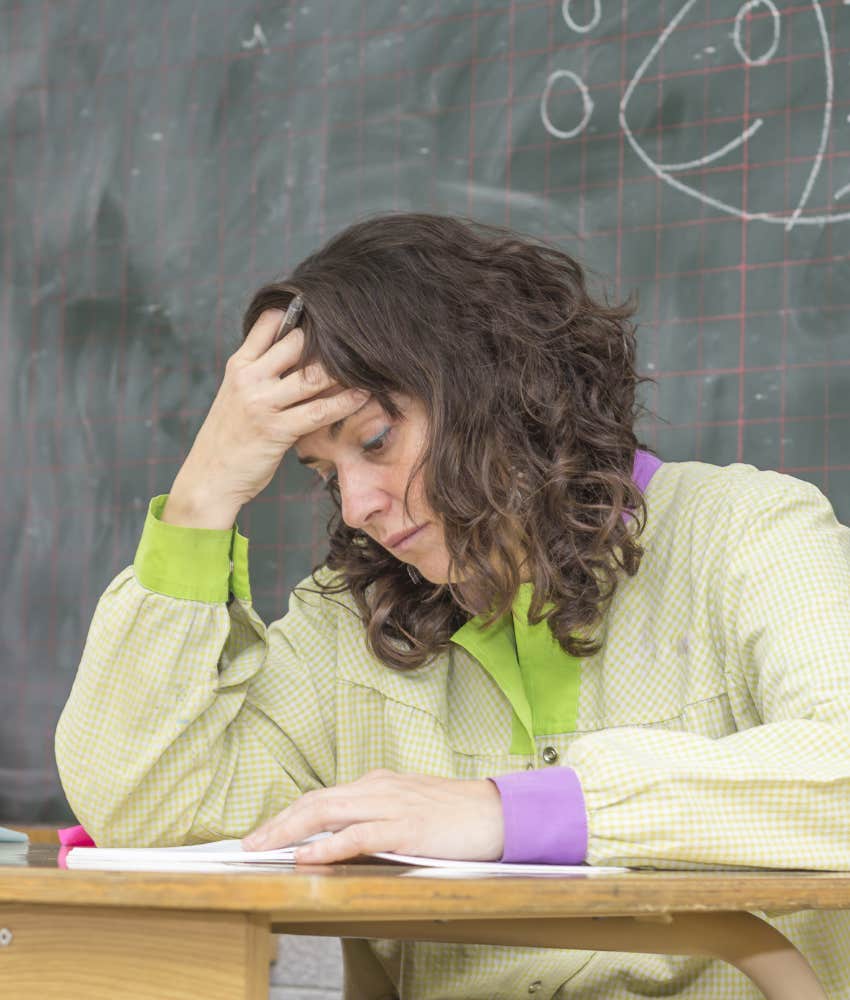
x: 75, y: 934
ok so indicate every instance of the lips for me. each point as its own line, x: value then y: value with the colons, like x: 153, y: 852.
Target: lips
x: 396, y: 540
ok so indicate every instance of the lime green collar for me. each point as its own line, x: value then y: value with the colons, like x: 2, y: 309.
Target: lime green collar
x: 538, y: 678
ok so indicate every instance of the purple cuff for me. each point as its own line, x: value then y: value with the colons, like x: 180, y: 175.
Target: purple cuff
x: 545, y: 819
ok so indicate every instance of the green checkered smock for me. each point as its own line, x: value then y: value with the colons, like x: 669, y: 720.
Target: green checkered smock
x: 712, y: 728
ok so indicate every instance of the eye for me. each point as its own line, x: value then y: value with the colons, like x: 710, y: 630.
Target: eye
x: 375, y: 446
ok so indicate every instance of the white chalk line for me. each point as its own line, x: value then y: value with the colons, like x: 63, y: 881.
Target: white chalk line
x: 736, y: 32
x: 723, y: 206
x: 709, y: 157
x: 582, y: 28
x: 587, y: 104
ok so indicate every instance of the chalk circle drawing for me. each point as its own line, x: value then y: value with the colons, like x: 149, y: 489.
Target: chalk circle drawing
x: 587, y: 26
x: 558, y: 74
x: 665, y: 171
x: 775, y: 24
x: 586, y: 101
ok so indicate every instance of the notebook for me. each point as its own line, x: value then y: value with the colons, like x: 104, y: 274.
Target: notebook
x: 228, y: 856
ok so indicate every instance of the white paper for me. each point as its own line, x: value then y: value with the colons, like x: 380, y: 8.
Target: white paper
x: 496, y: 867
x: 228, y: 856
x: 219, y: 855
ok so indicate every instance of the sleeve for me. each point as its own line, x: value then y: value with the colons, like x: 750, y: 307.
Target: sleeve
x: 188, y: 719
x: 775, y: 794
x: 544, y: 817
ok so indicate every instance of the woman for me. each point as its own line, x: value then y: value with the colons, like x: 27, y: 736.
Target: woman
x: 582, y: 653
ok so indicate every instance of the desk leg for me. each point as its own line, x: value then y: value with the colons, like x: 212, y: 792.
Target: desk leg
x: 56, y: 952
x: 752, y: 945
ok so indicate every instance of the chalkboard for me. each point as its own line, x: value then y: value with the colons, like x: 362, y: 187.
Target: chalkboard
x: 161, y: 160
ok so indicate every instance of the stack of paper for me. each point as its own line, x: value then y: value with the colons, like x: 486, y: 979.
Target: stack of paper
x: 228, y: 855
x: 13, y: 847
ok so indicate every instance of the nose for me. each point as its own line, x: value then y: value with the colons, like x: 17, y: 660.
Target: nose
x: 363, y: 496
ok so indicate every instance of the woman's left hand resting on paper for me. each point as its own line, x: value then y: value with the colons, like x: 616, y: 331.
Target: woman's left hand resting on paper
x: 384, y: 811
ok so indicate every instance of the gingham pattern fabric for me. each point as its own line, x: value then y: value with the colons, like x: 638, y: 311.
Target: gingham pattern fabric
x: 713, y: 728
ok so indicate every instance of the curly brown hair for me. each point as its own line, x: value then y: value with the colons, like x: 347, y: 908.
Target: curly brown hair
x: 528, y: 382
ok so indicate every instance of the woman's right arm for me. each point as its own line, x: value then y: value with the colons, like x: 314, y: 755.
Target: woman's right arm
x: 188, y: 719
x: 175, y: 730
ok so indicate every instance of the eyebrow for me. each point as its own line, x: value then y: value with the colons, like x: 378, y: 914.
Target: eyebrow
x: 334, y: 431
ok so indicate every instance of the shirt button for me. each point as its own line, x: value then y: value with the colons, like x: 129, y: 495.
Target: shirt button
x: 529, y: 767
x: 535, y: 986
x: 550, y: 755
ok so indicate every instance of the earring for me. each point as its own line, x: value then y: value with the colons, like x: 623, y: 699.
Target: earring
x: 412, y: 573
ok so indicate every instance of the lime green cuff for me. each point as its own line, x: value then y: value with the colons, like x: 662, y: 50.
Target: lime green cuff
x: 240, y: 584
x: 196, y: 564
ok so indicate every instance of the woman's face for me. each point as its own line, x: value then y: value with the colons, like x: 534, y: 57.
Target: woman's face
x: 371, y: 458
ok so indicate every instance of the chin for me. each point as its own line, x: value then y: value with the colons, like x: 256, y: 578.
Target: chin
x: 431, y: 574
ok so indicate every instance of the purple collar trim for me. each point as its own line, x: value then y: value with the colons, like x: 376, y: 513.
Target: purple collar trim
x: 644, y: 469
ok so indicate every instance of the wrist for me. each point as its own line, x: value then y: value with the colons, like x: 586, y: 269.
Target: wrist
x: 194, y: 506
x: 490, y: 808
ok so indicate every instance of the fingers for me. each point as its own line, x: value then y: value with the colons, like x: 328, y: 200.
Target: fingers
x: 361, y: 838
x: 387, y: 812
x: 281, y: 357
x: 324, y: 810
x: 288, y: 384
x: 301, y: 383
x: 311, y: 384
x: 296, y: 421
x: 261, y: 335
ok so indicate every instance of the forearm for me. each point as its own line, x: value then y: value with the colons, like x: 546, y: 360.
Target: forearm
x: 773, y: 796
x: 150, y: 719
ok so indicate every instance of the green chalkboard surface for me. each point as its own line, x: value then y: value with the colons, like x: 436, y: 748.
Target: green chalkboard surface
x: 161, y: 160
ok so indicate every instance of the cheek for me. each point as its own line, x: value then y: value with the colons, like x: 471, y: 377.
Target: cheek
x: 417, y: 487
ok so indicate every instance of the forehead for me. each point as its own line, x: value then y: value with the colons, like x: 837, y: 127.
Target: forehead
x: 333, y: 431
